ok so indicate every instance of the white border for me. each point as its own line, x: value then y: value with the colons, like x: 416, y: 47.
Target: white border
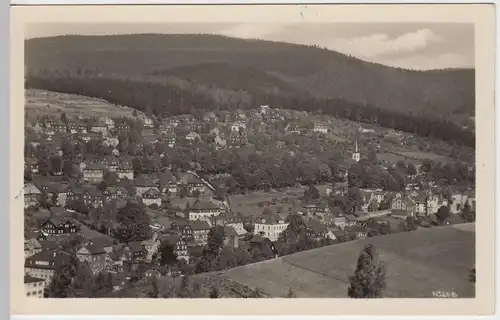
x: 4, y: 135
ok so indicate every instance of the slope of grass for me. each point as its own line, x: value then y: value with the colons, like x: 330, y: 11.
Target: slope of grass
x: 42, y: 102
x: 418, y: 263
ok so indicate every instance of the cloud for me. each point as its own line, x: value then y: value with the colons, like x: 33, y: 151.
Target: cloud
x: 253, y: 31
x: 381, y: 44
x: 427, y: 62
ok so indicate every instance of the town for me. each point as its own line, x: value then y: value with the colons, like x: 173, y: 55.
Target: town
x: 114, y: 203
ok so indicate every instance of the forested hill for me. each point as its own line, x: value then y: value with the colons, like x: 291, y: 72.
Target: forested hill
x: 253, y: 65
x: 173, y: 74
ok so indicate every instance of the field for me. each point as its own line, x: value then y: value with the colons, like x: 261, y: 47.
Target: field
x: 41, y: 102
x: 418, y: 263
x: 392, y: 157
x: 254, y: 203
x: 425, y: 155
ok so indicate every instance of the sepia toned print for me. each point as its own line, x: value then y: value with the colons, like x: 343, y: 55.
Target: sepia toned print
x: 250, y: 160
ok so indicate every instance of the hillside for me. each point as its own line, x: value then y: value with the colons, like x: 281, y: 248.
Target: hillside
x: 256, y: 66
x: 39, y: 103
x: 418, y: 263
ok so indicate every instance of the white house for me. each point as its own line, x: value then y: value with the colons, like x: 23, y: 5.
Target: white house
x: 203, y: 209
x: 192, y: 136
x: 150, y: 197
x: 320, y: 127
x: 270, y: 227
x: 235, y: 127
x: 33, y: 287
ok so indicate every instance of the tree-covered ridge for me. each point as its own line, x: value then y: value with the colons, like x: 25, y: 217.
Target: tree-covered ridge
x: 309, y: 70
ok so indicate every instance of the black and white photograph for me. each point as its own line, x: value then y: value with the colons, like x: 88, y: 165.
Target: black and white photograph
x: 250, y: 160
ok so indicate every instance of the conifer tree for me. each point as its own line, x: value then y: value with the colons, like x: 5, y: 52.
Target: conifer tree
x: 368, y: 280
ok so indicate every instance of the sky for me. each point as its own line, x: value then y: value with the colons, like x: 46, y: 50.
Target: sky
x: 420, y: 46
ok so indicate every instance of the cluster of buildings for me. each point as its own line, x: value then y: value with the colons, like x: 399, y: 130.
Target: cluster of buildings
x: 191, y: 199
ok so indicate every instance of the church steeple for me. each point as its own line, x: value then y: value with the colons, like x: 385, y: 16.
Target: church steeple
x: 356, y: 156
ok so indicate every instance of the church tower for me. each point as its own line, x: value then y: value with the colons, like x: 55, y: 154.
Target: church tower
x: 356, y: 156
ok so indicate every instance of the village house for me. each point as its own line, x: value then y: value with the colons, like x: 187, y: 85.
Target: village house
x: 165, y: 127
x: 115, y: 193
x: 230, y: 237
x: 76, y: 126
x: 358, y: 232
x: 150, y: 197
x: 203, y: 209
x: 193, y: 183
x: 100, y: 128
x: 188, y: 118
x: 32, y: 195
x: 152, y: 273
x: 168, y: 183
x: 93, y: 173
x: 292, y: 128
x: 421, y: 202
x: 94, y: 256
x: 179, y: 245
x: 227, y: 219
x: 104, y: 242
x: 37, y: 235
x: 146, y: 121
x: 31, y: 165
x: 122, y: 127
x: 310, y: 208
x: 90, y: 196
x: 219, y: 143
x: 111, y: 142
x: 237, y: 139
x: 125, y: 171
x: 350, y: 221
x: 238, y: 126
x: 338, y: 234
x: 261, y: 243
x: 200, y: 228
x: 255, y: 115
x: 183, y: 229
x: 320, y: 127
x: 43, y: 264
x: 366, y: 130
x: 135, y: 251
x: 34, y: 287
x: 402, y: 206
x: 31, y: 247
x: 174, y: 122
x: 59, y: 192
x: 270, y: 227
x: 340, y: 221
x: 192, y: 136
x: 459, y: 199
x: 142, y: 185
x: 111, y: 163
x: 59, y: 226
x: 91, y: 136
x: 434, y: 202
x: 110, y: 123
x: 170, y: 139
x: 315, y: 229
x: 339, y: 188
x: 59, y: 127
